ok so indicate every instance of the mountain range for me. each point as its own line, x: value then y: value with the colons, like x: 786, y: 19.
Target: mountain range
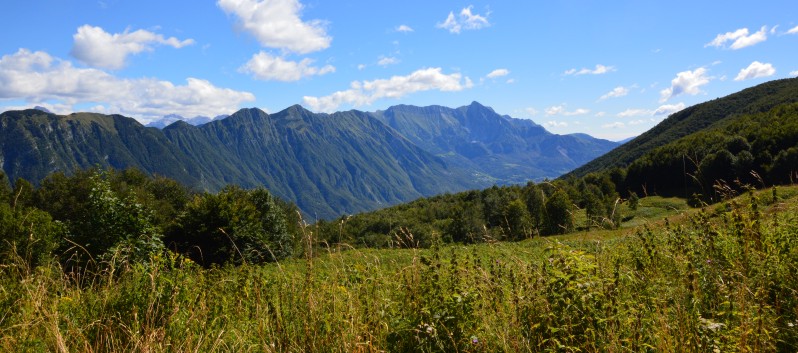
x: 328, y: 164
x: 170, y: 119
x: 757, y: 99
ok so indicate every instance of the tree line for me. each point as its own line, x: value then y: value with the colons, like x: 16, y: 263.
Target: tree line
x: 94, y: 216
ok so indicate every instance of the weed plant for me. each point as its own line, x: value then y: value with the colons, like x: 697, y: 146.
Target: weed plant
x: 719, y: 279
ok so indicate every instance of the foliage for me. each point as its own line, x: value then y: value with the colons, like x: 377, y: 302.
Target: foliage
x: 232, y: 226
x: 751, y: 101
x: 746, y: 150
x: 111, y: 226
x: 718, y: 279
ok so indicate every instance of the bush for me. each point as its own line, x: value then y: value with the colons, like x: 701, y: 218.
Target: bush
x: 234, y: 226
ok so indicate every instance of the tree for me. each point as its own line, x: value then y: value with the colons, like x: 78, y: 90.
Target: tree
x: 112, y: 227
x: 467, y: 223
x: 535, y: 202
x: 29, y: 234
x: 559, y: 213
x: 233, y: 226
x: 518, y: 222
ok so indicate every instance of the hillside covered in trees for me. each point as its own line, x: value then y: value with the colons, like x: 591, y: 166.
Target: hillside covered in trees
x: 757, y: 99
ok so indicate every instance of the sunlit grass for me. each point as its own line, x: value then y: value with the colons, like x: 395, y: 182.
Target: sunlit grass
x: 721, y: 279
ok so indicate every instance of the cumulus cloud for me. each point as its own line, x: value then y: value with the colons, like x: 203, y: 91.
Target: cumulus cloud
x: 95, y: 47
x: 628, y: 113
x: 366, y: 92
x: 554, y: 123
x: 755, y: 70
x: 531, y: 111
x: 688, y: 82
x: 264, y: 66
x: 387, y: 60
x: 277, y: 24
x: 37, y: 77
x: 793, y: 30
x: 404, y: 29
x: 561, y: 110
x: 600, y: 69
x: 739, y: 38
x: 794, y: 73
x: 616, y: 92
x: 498, y: 73
x: 661, y: 110
x: 464, y: 21
x: 669, y: 109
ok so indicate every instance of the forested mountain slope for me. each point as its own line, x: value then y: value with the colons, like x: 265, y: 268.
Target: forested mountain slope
x: 756, y: 99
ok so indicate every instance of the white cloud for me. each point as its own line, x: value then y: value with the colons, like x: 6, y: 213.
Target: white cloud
x: 669, y: 109
x: 793, y: 30
x: 739, y: 38
x: 560, y: 110
x: 96, y: 47
x: 498, y: 73
x: 37, y: 78
x: 553, y: 123
x: 615, y: 125
x: 755, y: 70
x: 637, y: 122
x: 404, y: 29
x: 277, y: 24
x: 600, y: 69
x: 600, y: 114
x: 387, y: 60
x: 465, y: 20
x: 616, y: 92
x: 628, y: 113
x: 264, y: 66
x: 688, y: 82
x: 366, y: 92
x: 531, y: 111
x: 794, y: 73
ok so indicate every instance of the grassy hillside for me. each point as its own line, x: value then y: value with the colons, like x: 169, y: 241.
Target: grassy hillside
x: 753, y: 100
x: 722, y: 278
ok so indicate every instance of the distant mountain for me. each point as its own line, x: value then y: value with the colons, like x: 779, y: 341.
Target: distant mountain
x: 756, y: 99
x: 42, y: 109
x: 501, y: 149
x: 328, y: 164
x: 172, y: 118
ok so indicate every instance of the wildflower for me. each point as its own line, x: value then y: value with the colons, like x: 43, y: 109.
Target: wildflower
x: 474, y: 340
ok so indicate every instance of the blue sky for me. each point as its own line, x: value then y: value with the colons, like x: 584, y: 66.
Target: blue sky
x: 612, y: 69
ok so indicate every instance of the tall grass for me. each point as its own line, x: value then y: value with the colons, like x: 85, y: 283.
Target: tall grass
x: 722, y: 279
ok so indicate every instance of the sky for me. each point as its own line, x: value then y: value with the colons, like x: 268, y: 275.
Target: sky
x: 611, y: 69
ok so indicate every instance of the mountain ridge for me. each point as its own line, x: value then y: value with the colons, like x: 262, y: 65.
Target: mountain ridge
x: 328, y: 164
x: 757, y: 99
